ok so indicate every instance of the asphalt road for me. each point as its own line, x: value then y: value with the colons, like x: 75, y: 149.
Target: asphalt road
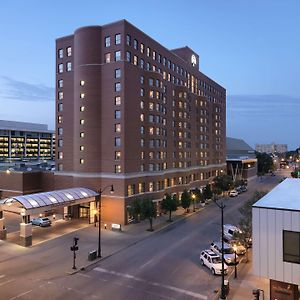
x: 163, y: 266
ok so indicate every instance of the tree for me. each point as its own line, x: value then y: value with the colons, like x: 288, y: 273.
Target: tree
x: 169, y: 204
x: 148, y: 211
x: 296, y: 173
x: 185, y: 200
x: 207, y: 193
x: 245, y: 223
x: 135, y: 209
x: 264, y: 163
x: 222, y: 183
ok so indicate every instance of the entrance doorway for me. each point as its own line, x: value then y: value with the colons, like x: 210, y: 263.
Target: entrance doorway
x: 84, y: 211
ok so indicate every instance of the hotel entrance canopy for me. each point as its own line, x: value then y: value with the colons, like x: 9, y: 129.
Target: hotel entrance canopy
x: 42, y: 202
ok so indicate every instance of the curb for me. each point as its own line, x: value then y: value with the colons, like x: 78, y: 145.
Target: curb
x: 167, y: 224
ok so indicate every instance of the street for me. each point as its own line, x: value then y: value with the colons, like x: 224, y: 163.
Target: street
x: 164, y: 265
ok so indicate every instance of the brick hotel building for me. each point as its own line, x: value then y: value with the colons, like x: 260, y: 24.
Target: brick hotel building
x: 131, y: 113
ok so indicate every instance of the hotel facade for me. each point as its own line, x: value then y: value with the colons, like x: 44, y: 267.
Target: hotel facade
x: 131, y: 113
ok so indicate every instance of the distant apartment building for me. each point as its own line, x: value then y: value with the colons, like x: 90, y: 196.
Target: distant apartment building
x: 131, y: 113
x: 26, y: 141
x: 271, y: 148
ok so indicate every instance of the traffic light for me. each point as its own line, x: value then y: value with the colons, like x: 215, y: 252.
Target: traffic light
x: 76, y: 241
x: 256, y: 294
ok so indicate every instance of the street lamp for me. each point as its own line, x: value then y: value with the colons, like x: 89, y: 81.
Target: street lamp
x: 222, y: 206
x: 194, y: 197
x: 98, y: 199
x: 235, y: 267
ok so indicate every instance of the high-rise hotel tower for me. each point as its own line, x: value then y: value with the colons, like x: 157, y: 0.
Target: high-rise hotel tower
x: 131, y: 113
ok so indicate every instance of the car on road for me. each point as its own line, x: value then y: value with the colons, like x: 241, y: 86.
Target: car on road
x: 230, y: 231
x: 41, y: 221
x: 243, y: 188
x: 233, y: 193
x: 240, y: 249
x: 229, y: 256
x: 211, y: 260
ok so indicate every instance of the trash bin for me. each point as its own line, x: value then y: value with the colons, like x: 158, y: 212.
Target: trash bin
x: 226, y: 287
x: 92, y: 255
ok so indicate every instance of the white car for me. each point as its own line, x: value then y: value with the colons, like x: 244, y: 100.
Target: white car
x: 229, y: 255
x: 213, y: 262
x: 240, y: 249
x: 233, y: 193
x: 230, y: 230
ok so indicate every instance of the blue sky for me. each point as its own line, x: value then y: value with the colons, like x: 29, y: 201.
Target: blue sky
x: 250, y: 47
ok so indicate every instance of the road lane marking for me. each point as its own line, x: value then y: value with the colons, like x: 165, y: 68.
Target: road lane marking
x: 5, y: 282
x: 169, y: 287
x: 20, y: 295
x: 147, y: 263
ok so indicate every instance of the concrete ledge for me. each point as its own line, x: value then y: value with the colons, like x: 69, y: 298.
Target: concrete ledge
x: 26, y: 241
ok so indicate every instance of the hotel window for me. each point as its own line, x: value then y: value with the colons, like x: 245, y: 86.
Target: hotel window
x: 142, y: 117
x: 142, y: 48
x: 142, y: 142
x: 142, y: 155
x: 60, y: 107
x: 81, y: 161
x: 118, y: 39
x: 69, y: 51
x: 117, y: 114
x: 135, y: 60
x: 59, y: 119
x: 117, y: 87
x: 107, y: 41
x: 81, y: 108
x: 60, y: 68
x: 148, y: 51
x: 82, y: 95
x: 117, y: 55
x: 128, y: 40
x: 128, y: 56
x: 151, y: 105
x: 117, y: 100
x: 159, y: 58
x: 117, y: 73
x: 142, y: 104
x: 135, y: 44
x: 118, y: 127
x: 142, y: 129
x: 117, y: 155
x: 142, y: 167
x: 60, y: 131
x: 151, y: 94
x: 82, y: 134
x: 60, y: 53
x: 69, y: 66
x: 60, y: 83
x: 142, y: 63
x: 154, y: 55
x: 60, y: 143
x: 60, y: 167
x: 148, y: 67
x: 291, y: 246
x: 117, y: 142
x: 151, y: 81
x: 117, y: 168
x: 141, y: 187
x: 107, y: 58
x: 142, y: 80
x: 60, y: 95
x: 151, y: 185
x: 82, y: 82
x: 142, y: 92
x: 81, y: 148
x: 82, y: 122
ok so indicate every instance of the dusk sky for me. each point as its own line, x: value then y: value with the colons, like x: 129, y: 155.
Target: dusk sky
x: 249, y: 47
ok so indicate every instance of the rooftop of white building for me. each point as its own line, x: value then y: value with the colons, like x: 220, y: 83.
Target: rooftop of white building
x: 284, y: 196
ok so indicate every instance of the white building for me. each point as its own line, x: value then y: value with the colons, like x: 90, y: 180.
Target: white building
x: 271, y: 148
x: 276, y: 239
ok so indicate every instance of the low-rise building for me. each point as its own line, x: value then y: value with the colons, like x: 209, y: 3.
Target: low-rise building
x: 276, y: 239
x: 271, y: 148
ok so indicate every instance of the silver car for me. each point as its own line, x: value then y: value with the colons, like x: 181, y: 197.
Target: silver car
x: 41, y: 221
x: 229, y: 256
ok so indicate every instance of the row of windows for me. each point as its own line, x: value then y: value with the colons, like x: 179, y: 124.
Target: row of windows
x: 61, y: 52
x: 68, y: 67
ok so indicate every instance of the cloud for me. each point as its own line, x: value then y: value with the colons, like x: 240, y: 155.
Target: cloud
x: 24, y: 91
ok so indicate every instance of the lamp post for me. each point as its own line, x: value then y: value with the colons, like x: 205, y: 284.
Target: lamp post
x: 98, y: 199
x: 235, y: 267
x: 222, y: 206
x: 193, y: 198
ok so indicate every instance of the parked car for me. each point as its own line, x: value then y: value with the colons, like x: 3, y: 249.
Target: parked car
x: 42, y: 222
x: 239, y: 189
x: 240, y: 249
x: 243, y: 188
x: 213, y: 262
x: 233, y: 193
x: 230, y: 230
x: 229, y: 256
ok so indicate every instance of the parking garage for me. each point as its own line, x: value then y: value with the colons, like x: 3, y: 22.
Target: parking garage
x: 67, y: 204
